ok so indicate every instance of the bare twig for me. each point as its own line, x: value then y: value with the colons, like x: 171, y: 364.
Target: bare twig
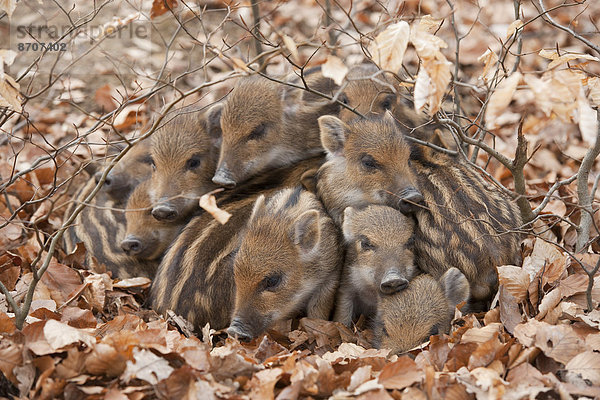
x: 546, y: 17
x: 583, y: 194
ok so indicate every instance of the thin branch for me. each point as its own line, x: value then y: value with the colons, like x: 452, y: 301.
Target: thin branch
x: 546, y: 17
x: 583, y: 194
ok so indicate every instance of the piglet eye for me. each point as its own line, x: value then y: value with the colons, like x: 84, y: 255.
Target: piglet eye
x: 192, y: 163
x: 366, y: 245
x: 344, y: 99
x: 152, y: 164
x: 271, y: 282
x: 258, y: 132
x: 368, y: 162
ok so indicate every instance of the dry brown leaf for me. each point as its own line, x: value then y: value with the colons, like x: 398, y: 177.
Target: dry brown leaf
x: 525, y: 380
x: 489, y: 59
x: 11, y: 356
x: 335, y: 69
x: 60, y: 335
x: 10, y: 95
x: 9, y: 6
x: 588, y: 120
x: 105, y: 360
x: 485, y: 353
x: 209, y: 203
x: 137, y: 282
x: 388, y: 48
x: 400, y: 374
x: 98, y: 284
x: 160, y: 7
x: 147, y: 366
x: 594, y: 87
x: 512, y: 28
x: 510, y: 315
x: 360, y: 376
x: 573, y: 284
x: 485, y: 383
x: 291, y: 46
x: 584, y: 369
x: 515, y: 280
x: 559, y: 60
x: 431, y: 83
x: 549, y: 302
x: 501, y: 98
x: 481, y: 335
x: 61, y: 281
x: 263, y: 383
x: 558, y: 342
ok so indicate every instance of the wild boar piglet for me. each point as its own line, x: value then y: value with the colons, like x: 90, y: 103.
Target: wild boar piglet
x: 288, y: 263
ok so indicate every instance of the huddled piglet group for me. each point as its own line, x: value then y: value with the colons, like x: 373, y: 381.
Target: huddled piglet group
x: 335, y: 213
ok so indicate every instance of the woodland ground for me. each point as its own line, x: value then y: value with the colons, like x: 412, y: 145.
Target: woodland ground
x: 87, y: 335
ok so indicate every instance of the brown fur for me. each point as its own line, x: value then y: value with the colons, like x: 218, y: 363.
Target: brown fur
x: 465, y: 222
x: 264, y: 127
x: 379, y: 257
x: 133, y: 168
x: 146, y: 238
x: 288, y: 263
x: 372, y: 93
x: 408, y: 318
x: 101, y: 225
x: 184, y: 152
x: 195, y: 278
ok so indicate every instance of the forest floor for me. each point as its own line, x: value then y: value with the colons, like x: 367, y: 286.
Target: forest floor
x: 88, y: 335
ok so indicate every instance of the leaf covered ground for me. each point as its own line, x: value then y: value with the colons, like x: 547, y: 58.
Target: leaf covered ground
x: 88, y: 335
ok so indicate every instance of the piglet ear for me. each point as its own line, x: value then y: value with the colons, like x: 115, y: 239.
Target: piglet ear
x: 307, y: 232
x: 456, y: 287
x: 258, y: 209
x: 213, y: 121
x: 308, y: 180
x: 349, y: 213
x: 333, y: 134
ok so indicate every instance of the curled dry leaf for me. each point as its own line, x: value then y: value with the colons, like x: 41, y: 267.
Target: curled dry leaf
x: 588, y: 120
x: 501, y: 98
x: 584, y: 369
x: 515, y: 280
x: 485, y: 383
x: 263, y: 383
x: 105, y: 360
x: 147, y: 366
x: 209, y: 204
x: 594, y: 90
x: 510, y: 315
x: 400, y: 374
x: 160, y: 7
x: 335, y: 69
x: 558, y: 342
x: 138, y: 282
x: 549, y: 302
x: 291, y: 46
x: 489, y: 59
x: 9, y: 6
x: 512, y: 28
x: 565, y: 58
x: 481, y: 335
x: 388, y: 48
x: 360, y: 376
